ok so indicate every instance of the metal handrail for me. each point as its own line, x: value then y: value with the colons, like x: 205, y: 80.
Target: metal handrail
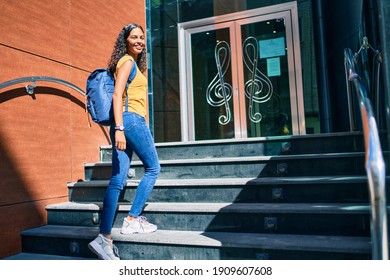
x: 374, y: 163
x: 30, y: 88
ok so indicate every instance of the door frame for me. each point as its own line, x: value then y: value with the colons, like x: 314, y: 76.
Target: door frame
x: 184, y: 38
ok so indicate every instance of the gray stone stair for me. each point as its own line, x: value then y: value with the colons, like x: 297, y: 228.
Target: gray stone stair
x: 48, y: 257
x: 244, y: 167
x: 293, y: 218
x: 306, y: 144
x: 267, y: 189
x: 290, y: 197
x: 198, y: 245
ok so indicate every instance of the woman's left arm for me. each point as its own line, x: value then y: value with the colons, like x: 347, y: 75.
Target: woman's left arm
x: 117, y: 103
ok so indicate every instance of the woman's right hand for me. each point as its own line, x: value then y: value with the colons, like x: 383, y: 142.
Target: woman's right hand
x: 120, y: 140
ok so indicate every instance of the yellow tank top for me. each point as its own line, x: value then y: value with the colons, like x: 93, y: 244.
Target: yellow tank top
x: 137, y: 90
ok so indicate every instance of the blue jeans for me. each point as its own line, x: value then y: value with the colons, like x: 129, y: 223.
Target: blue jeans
x: 138, y: 140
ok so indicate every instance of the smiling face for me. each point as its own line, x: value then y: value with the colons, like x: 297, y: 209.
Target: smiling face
x: 135, y: 42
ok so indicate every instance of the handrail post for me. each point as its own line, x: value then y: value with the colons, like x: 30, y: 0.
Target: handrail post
x: 351, y: 114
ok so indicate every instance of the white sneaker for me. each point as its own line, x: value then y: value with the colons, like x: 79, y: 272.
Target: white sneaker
x: 104, y: 248
x: 138, y: 225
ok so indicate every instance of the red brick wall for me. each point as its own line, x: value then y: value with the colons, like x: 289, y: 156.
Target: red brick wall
x: 45, y: 139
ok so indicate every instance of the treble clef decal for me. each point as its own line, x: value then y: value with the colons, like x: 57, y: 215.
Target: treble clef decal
x: 218, y: 91
x: 258, y: 89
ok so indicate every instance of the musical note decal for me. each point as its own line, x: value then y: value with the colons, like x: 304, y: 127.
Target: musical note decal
x: 258, y: 89
x: 218, y: 91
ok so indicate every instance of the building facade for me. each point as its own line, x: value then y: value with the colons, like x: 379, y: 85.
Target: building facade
x: 237, y: 69
x: 45, y: 138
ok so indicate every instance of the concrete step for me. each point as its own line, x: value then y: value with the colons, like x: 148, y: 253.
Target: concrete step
x: 33, y: 256
x: 282, y: 218
x: 336, y: 189
x: 197, y: 245
x: 290, y: 197
x: 263, y: 146
x: 244, y: 167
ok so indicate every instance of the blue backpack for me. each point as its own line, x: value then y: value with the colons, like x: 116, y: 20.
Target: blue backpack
x: 99, y: 91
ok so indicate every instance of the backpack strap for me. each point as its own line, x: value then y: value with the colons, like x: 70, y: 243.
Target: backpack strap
x: 133, y: 73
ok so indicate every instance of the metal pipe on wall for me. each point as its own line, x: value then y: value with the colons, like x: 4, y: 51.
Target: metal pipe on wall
x: 322, y: 68
x: 384, y: 34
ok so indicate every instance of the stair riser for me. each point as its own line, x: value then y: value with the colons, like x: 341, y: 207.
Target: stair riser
x: 256, y: 148
x: 336, y: 193
x: 187, y: 170
x: 172, y: 252
x: 282, y: 223
x: 144, y: 251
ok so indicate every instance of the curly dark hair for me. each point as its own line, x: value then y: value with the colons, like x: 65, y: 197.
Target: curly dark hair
x: 120, y: 49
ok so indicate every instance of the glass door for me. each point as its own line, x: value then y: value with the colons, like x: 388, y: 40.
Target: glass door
x: 212, y: 101
x: 242, y: 79
x: 268, y: 77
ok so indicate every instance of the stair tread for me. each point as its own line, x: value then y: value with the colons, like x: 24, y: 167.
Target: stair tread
x: 234, y: 181
x: 217, y: 239
x: 254, y: 139
x: 293, y: 208
x: 246, y: 159
x: 37, y: 256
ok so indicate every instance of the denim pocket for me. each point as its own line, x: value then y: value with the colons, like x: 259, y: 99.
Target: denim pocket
x: 129, y: 120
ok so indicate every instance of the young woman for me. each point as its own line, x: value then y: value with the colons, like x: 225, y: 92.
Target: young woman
x: 129, y: 133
